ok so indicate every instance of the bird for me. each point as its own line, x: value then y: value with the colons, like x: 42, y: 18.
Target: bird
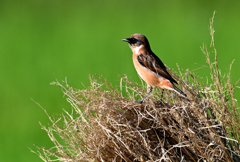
x: 149, y: 67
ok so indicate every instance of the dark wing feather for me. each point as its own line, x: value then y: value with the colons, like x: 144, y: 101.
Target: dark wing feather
x: 153, y: 63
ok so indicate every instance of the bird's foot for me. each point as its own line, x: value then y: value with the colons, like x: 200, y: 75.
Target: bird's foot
x: 160, y: 103
x: 139, y: 102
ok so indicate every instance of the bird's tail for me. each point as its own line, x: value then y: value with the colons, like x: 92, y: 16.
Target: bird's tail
x: 179, y: 91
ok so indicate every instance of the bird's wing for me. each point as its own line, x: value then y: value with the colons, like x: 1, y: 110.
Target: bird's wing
x: 153, y: 63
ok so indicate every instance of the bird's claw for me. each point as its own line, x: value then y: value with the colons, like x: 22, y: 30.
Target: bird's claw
x: 159, y: 102
x: 139, y: 102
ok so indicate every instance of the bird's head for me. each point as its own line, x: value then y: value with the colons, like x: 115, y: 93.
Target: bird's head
x: 137, y: 41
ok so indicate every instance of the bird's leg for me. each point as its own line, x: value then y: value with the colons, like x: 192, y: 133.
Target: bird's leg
x: 160, y: 101
x: 149, y: 91
x: 162, y: 95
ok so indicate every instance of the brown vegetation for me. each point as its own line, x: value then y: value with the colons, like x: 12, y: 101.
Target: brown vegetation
x: 106, y: 125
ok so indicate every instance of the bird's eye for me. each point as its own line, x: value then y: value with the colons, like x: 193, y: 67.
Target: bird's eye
x: 134, y: 40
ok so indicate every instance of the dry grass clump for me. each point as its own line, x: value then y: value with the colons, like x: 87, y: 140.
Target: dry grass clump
x: 106, y: 125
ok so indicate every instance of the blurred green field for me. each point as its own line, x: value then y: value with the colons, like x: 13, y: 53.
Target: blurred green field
x: 42, y: 40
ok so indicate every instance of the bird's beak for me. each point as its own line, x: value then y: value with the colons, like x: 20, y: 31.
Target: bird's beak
x: 125, y: 40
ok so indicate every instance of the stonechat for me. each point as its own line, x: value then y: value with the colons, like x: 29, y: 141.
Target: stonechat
x: 149, y: 67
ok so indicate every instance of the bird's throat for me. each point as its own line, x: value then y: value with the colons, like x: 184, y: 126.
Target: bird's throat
x: 136, y: 50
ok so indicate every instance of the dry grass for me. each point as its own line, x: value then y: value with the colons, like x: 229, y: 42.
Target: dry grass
x: 106, y: 125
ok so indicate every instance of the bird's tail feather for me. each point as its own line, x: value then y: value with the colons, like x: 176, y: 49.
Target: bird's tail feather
x: 179, y: 91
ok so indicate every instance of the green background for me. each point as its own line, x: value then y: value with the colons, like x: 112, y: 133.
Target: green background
x: 41, y: 40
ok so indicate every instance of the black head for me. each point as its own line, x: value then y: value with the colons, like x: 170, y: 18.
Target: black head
x: 137, y: 40
x: 132, y: 41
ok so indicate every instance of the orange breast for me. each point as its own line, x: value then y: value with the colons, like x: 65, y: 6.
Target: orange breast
x: 147, y: 75
x: 150, y: 77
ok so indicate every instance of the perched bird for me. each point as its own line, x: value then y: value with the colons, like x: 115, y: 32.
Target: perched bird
x: 149, y: 66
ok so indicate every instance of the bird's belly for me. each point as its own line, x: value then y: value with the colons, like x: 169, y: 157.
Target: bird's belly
x: 150, y: 77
